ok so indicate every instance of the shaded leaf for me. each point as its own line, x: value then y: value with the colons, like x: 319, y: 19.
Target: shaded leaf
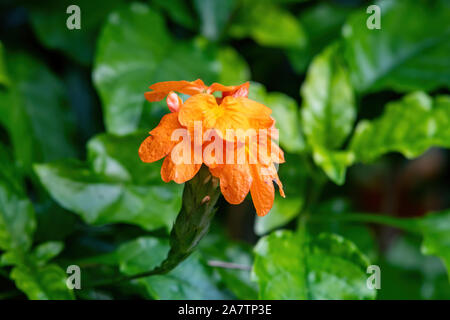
x: 293, y: 266
x: 402, y: 55
x: 214, y: 15
x: 17, y: 219
x: 189, y: 280
x: 322, y: 24
x: 49, y: 19
x: 114, y: 186
x: 216, y: 246
x: 34, y: 94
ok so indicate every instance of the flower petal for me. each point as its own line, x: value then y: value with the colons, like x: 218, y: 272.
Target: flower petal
x: 235, y: 181
x: 235, y: 91
x: 161, y: 89
x: 159, y: 143
x: 179, y: 173
x: 200, y: 107
x: 262, y: 191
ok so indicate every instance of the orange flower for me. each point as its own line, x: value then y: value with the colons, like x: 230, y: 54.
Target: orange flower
x: 232, y: 135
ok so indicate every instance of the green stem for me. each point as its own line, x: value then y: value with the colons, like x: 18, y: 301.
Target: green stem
x: 199, y: 198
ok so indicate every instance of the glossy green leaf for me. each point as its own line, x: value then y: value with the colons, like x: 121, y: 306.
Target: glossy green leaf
x: 269, y: 25
x: 17, y: 219
x: 192, y: 279
x: 403, y: 55
x: 130, y: 58
x: 217, y: 247
x: 47, y: 251
x: 34, y: 94
x: 214, y: 16
x: 49, y: 18
x: 328, y: 111
x: 285, y: 112
x: 409, y: 126
x: 434, y: 228
x: 114, y: 186
x: 293, y: 266
x: 42, y: 283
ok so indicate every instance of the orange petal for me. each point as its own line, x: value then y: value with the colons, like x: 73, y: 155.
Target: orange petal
x: 178, y: 172
x: 159, y: 143
x: 277, y: 155
x: 257, y: 114
x: 235, y: 181
x: 262, y: 191
x: 200, y: 107
x: 235, y: 91
x: 161, y: 89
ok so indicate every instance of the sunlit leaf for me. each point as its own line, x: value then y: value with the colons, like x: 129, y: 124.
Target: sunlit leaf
x: 49, y: 19
x: 42, y: 283
x: 409, y: 126
x: 328, y: 111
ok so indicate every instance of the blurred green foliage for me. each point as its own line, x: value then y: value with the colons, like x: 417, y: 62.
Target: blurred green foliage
x: 343, y: 96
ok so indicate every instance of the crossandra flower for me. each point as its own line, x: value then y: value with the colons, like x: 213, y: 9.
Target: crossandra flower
x: 232, y: 135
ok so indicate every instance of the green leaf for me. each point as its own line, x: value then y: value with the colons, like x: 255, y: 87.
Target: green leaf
x: 269, y: 25
x: 294, y: 266
x: 47, y: 251
x: 279, y: 267
x: 4, y: 79
x: 114, y: 186
x: 434, y: 227
x: 192, y: 279
x: 214, y: 15
x: 216, y: 246
x: 17, y: 219
x: 294, y: 177
x: 129, y: 59
x: 402, y: 55
x: 328, y: 111
x: 49, y: 19
x: 285, y: 112
x: 409, y: 126
x: 178, y: 11
x: 42, y: 283
x: 34, y: 94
